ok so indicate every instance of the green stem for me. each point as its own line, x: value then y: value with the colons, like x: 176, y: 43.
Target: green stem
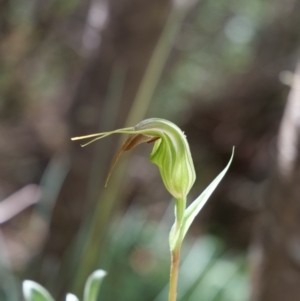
x: 180, y: 205
x: 175, y: 259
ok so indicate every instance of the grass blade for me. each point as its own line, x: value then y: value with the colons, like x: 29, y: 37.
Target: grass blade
x: 92, y: 285
x: 33, y: 291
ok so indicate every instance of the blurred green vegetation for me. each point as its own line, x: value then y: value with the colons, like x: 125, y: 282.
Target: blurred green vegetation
x: 137, y: 257
x: 218, y: 40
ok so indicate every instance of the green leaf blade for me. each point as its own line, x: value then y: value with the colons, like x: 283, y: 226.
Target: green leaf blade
x: 93, y: 284
x: 33, y: 291
x: 192, y: 211
x: 71, y: 297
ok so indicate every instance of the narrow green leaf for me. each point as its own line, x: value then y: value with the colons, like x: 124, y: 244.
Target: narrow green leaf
x: 173, y: 238
x: 192, y: 211
x: 92, y: 285
x: 71, y: 297
x: 33, y: 291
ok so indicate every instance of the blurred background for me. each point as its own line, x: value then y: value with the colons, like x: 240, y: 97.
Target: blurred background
x: 224, y: 71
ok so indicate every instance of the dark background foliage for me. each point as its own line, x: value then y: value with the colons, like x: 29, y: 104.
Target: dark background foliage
x: 224, y: 71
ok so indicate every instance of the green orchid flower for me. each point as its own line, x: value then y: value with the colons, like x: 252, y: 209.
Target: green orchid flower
x: 171, y: 153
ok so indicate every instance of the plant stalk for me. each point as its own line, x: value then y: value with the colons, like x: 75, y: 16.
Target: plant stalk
x: 180, y: 205
x: 175, y: 259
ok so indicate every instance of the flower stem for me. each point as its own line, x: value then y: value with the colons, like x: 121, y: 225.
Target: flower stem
x: 175, y: 258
